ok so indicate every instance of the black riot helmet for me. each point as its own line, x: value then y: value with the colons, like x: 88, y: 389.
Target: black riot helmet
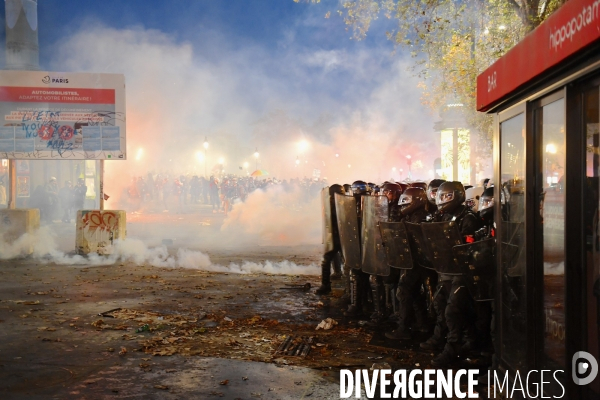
x: 421, y: 185
x: 347, y: 189
x: 392, y: 191
x: 486, y: 203
x: 413, y: 199
x: 375, y: 190
x: 432, y: 189
x: 360, y: 187
x: 335, y: 188
x: 450, y: 195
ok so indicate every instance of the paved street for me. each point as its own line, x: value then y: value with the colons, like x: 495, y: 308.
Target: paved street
x: 202, y: 334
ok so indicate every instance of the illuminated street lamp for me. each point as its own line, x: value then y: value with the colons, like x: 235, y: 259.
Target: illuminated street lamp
x: 409, y: 162
x: 205, y: 159
x: 297, y: 161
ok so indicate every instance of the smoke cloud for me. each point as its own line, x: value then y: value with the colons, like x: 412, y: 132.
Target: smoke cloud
x: 344, y: 113
x: 42, y: 246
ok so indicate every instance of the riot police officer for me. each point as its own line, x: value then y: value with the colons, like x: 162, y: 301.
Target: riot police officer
x: 332, y: 249
x: 409, y: 294
x: 432, y: 188
x: 383, y: 287
x: 359, y: 280
x: 452, y: 300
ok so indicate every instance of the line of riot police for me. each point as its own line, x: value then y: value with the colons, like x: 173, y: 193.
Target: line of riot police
x: 411, y: 254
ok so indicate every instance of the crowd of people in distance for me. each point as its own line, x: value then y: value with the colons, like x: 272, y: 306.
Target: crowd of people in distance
x: 171, y: 192
x: 54, y: 202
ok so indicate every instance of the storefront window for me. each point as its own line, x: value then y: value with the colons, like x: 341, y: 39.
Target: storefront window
x: 550, y: 128
x: 513, y: 262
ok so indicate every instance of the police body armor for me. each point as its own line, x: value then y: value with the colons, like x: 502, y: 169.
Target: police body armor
x: 397, y: 244
x: 440, y: 238
x: 374, y: 259
x: 347, y: 222
x: 478, y: 260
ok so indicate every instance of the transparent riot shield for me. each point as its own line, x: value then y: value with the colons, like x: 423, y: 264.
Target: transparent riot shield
x: 440, y: 238
x: 396, y: 244
x: 417, y: 244
x: 327, y: 220
x: 478, y: 260
x: 345, y: 208
x: 375, y: 211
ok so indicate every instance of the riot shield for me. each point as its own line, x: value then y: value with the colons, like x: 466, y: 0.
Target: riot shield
x: 345, y: 208
x: 440, y: 238
x: 417, y: 244
x: 396, y: 244
x: 375, y: 211
x: 327, y: 220
x: 478, y: 259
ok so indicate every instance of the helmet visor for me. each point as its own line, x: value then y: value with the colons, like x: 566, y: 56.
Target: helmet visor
x: 405, y: 200
x: 432, y: 193
x: 471, y: 203
x: 444, y: 197
x: 486, y: 202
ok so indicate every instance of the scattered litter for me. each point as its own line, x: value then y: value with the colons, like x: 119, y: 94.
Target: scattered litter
x: 123, y: 351
x: 244, y: 378
x: 161, y: 387
x: 327, y: 324
x: 227, y: 319
x: 143, y: 328
x: 225, y: 382
x: 107, y: 313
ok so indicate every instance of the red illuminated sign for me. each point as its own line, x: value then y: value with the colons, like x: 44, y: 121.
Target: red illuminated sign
x: 573, y: 27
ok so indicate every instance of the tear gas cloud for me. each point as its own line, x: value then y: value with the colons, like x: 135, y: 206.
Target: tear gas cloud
x: 341, y: 114
x: 176, y: 98
x: 43, y: 247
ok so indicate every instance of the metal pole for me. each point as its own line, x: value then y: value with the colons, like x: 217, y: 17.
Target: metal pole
x: 12, y: 184
x: 101, y: 185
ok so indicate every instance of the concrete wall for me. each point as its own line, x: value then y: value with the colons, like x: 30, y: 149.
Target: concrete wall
x: 97, y: 230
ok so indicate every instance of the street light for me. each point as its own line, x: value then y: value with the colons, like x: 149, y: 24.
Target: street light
x: 205, y: 158
x: 256, y: 156
x: 409, y: 162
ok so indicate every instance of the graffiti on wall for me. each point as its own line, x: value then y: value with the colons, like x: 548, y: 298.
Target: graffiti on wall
x: 99, y: 229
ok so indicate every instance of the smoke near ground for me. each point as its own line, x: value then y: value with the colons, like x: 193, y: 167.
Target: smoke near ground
x: 42, y: 246
x: 275, y: 216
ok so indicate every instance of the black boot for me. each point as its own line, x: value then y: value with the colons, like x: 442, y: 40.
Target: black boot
x: 355, y: 308
x: 337, y: 267
x: 325, y: 278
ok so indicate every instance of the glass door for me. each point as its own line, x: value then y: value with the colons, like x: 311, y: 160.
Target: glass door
x: 512, y: 248
x: 550, y: 141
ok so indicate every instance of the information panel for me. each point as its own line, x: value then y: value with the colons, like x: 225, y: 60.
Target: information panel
x: 62, y: 115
